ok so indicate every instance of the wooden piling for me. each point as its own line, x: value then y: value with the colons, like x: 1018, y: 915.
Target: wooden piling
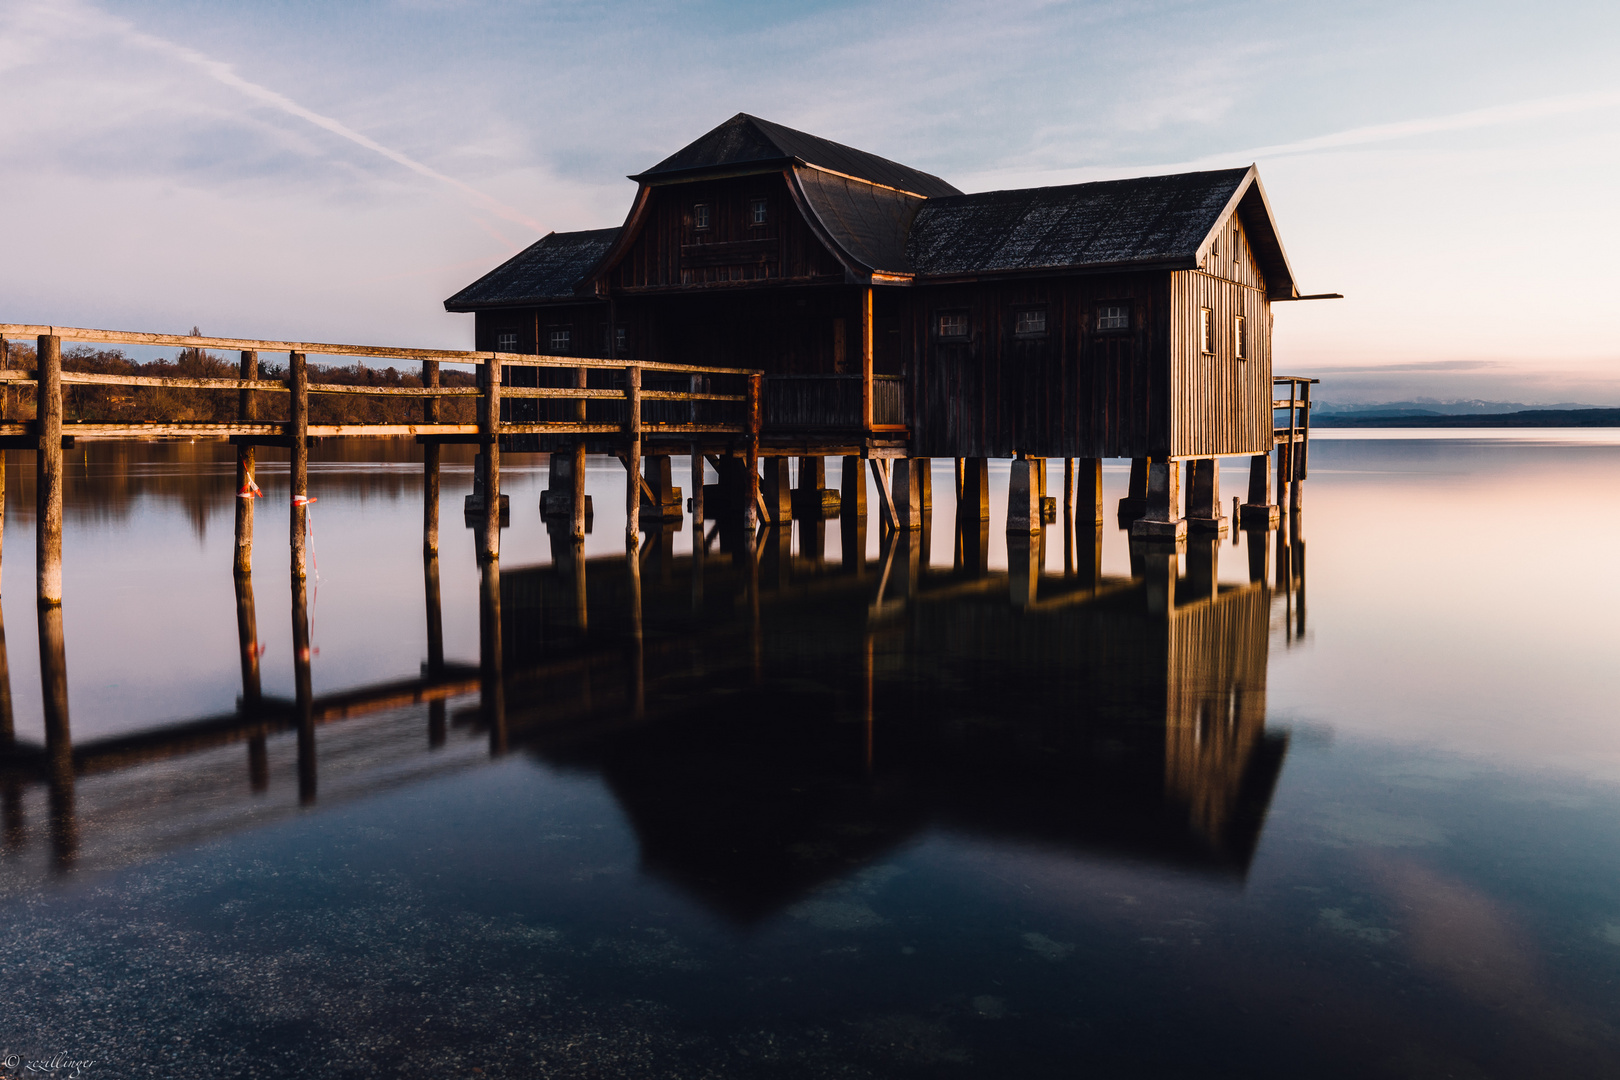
x: 852, y: 489
x: 48, y: 470
x: 907, y: 493
x: 298, y: 431
x: 1204, y: 495
x: 489, y: 436
x: 431, y: 452
x: 1260, y: 511
x: 632, y: 456
x: 1162, y: 518
x: 577, y: 460
x: 492, y: 681
x: 776, y: 491
x: 1134, y: 504
x: 1088, y: 492
x: 751, y: 449
x: 246, y: 462
x: 58, y: 731
x: 697, y: 489
x: 435, y: 615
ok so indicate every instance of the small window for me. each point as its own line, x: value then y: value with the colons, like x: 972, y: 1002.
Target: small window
x: 1240, y: 338
x: 1206, y: 331
x: 953, y: 325
x: 1030, y: 322
x: 561, y: 340
x: 700, y: 216
x: 1114, y: 317
x: 620, y: 340
x: 759, y: 211
x: 506, y: 343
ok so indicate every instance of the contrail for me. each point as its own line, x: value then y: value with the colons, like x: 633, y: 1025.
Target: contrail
x: 223, y: 73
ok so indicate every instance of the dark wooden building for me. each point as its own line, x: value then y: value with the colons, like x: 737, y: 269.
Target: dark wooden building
x: 895, y: 316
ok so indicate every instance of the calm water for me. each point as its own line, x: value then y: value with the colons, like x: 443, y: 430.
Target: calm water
x: 842, y: 808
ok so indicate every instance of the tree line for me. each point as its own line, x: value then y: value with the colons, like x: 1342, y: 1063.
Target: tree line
x: 138, y: 404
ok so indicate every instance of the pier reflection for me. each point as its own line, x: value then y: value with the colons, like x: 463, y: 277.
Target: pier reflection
x: 767, y: 718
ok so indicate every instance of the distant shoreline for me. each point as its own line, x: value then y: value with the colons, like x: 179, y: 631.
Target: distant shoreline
x: 1530, y: 418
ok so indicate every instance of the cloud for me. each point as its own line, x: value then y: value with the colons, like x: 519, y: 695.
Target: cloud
x: 225, y: 74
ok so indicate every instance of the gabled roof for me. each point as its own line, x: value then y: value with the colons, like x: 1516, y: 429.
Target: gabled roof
x: 748, y: 142
x: 1151, y: 221
x: 546, y: 270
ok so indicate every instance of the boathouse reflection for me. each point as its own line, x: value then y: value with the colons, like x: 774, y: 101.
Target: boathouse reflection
x: 768, y: 718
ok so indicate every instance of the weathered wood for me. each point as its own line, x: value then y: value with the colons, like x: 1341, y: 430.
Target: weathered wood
x: 489, y: 420
x: 435, y: 615
x: 868, y: 416
x: 751, y: 451
x: 698, y: 483
x: 907, y: 493
x: 303, y: 685
x: 298, y: 431
x: 851, y: 489
x: 247, y: 488
x: 632, y: 460
x: 58, y: 731
x: 775, y: 491
x: 48, y: 470
x: 974, y: 504
x: 1088, y: 493
x: 431, y: 452
x: 880, y: 474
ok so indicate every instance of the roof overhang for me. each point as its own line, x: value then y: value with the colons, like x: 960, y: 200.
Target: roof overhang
x: 1249, y: 202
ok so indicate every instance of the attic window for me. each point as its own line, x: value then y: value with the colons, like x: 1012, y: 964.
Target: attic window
x: 561, y: 339
x: 1030, y: 322
x: 759, y: 211
x: 1240, y: 338
x: 506, y: 343
x: 1206, y: 331
x: 953, y: 324
x: 1114, y: 317
x: 700, y: 216
x: 620, y: 340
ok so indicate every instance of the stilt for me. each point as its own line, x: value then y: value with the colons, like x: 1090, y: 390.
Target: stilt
x: 852, y: 490
x: 751, y: 454
x: 431, y: 452
x: 489, y: 428
x: 1134, y: 504
x: 303, y: 690
x: 1088, y: 497
x: 907, y: 474
x: 48, y: 471
x: 812, y: 499
x: 1162, y: 519
x: 1023, y: 498
x: 632, y: 457
x: 698, y: 482
x: 1204, y: 495
x: 578, y: 501
x: 246, y: 462
x: 880, y: 474
x: 925, y: 478
x: 777, y: 490
x: 247, y: 637
x: 974, y: 504
x: 664, y: 503
x: 1260, y: 511
x: 637, y: 658
x: 298, y: 430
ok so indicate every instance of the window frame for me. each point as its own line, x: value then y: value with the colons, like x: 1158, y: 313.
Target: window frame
x: 953, y: 313
x: 759, y: 212
x: 502, y: 338
x: 1240, y: 337
x: 1129, y: 316
x: 567, y: 333
x: 1206, y: 331
x: 702, y: 217
x: 1031, y: 309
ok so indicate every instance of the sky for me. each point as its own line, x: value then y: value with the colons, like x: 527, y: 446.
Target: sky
x: 332, y: 171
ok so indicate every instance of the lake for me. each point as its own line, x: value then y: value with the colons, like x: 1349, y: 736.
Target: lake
x: 835, y: 804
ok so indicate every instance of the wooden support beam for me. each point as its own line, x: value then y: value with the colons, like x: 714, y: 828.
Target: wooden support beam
x: 1023, y: 498
x: 1088, y: 497
x: 974, y: 504
x: 1134, y: 504
x: 1260, y: 512
x: 1162, y: 519
x: 489, y: 422
x: 48, y: 470
x: 697, y: 491
x: 431, y: 452
x: 633, y: 483
x: 247, y: 488
x: 866, y: 358
x: 852, y: 489
x: 1204, y: 495
x: 751, y: 450
x: 906, y: 494
x: 247, y: 639
x: 776, y: 493
x: 577, y: 496
x: 880, y: 473
x: 298, y: 430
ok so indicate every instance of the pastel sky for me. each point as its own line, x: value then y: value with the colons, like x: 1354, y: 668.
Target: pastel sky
x: 333, y: 171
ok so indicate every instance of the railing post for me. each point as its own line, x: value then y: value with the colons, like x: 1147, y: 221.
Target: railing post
x: 48, y: 469
x: 430, y: 463
x: 246, y: 466
x: 632, y: 455
x: 866, y: 359
x: 489, y: 423
x: 298, y: 432
x: 751, y: 452
x: 1301, y: 467
x: 577, y: 454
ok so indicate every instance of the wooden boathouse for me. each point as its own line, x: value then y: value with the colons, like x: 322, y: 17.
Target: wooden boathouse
x: 894, y: 318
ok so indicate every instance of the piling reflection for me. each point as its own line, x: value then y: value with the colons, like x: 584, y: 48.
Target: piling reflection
x: 768, y: 720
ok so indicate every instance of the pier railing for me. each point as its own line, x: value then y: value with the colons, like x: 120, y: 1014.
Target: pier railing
x: 833, y: 402
x: 1293, y: 438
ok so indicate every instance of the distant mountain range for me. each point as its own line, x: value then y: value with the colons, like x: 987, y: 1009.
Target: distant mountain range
x: 1432, y: 407
x: 1544, y: 416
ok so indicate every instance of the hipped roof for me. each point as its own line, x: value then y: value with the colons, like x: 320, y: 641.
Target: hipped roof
x: 546, y: 270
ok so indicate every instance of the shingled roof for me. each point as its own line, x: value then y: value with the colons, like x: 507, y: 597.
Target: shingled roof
x: 1159, y: 221
x: 546, y: 270
x: 747, y: 140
